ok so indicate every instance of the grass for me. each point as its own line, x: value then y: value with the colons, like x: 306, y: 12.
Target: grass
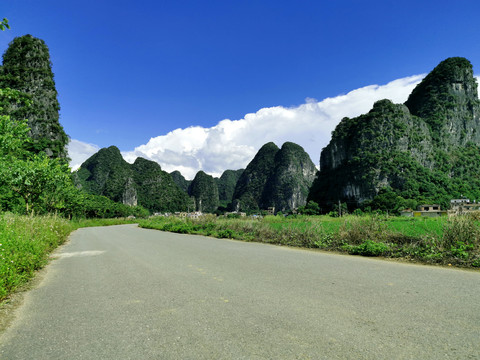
x: 454, y: 241
x: 27, y: 241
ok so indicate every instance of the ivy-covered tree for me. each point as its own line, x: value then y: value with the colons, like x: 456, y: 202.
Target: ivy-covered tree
x: 27, y: 68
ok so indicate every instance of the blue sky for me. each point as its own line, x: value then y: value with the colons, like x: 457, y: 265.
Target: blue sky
x: 131, y: 71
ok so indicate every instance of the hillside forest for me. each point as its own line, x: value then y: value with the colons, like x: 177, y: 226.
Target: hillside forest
x: 394, y: 157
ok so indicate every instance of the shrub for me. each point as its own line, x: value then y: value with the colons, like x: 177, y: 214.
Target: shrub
x: 368, y: 248
x: 460, y: 229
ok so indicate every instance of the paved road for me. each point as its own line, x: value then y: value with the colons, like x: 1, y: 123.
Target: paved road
x: 128, y: 293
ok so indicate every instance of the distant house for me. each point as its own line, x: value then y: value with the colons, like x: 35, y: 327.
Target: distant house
x: 194, y: 215
x: 463, y: 206
x: 455, y: 202
x: 428, y: 208
x: 241, y: 214
x: 271, y: 210
x: 407, y: 212
x: 425, y: 211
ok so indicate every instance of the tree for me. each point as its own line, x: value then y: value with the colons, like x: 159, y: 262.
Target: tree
x: 4, y: 24
x: 13, y: 134
x: 28, y: 180
x: 27, y: 68
x: 312, y: 208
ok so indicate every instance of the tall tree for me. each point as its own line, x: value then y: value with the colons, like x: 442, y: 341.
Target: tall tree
x: 27, y: 68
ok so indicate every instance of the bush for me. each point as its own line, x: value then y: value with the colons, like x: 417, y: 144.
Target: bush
x: 460, y: 229
x: 368, y: 248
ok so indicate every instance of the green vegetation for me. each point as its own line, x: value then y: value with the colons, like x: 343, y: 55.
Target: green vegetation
x: 205, y: 192
x: 437, y: 101
x: 107, y: 174
x: 248, y: 195
x: 156, y: 189
x: 226, y: 186
x: 27, y: 241
x: 279, y: 178
x: 34, y: 183
x: 454, y: 241
x: 397, y: 156
x: 34, y: 177
x: 27, y: 68
x: 180, y: 180
x: 4, y: 24
x: 38, y: 193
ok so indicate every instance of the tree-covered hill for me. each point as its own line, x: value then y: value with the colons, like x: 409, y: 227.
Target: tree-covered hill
x: 141, y: 183
x: 180, y: 180
x: 27, y: 68
x: 275, y: 177
x: 226, y: 185
x: 205, y: 192
x: 156, y: 189
x: 425, y: 151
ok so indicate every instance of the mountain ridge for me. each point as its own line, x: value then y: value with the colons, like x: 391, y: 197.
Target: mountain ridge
x: 406, y: 149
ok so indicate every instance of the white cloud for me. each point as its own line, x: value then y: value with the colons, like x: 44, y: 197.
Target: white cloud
x: 79, y: 152
x: 231, y: 144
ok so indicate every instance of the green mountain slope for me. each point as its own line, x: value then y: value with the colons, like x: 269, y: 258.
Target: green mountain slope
x: 156, y: 189
x: 226, y: 185
x: 423, y: 151
x: 141, y: 183
x: 180, y: 180
x: 205, y: 191
x: 275, y: 177
x: 27, y: 68
x: 248, y: 194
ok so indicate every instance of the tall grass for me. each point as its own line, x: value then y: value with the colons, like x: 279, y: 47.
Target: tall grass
x: 431, y: 240
x: 25, y: 242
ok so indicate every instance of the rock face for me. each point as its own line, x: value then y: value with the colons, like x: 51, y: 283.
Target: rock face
x: 294, y: 172
x: 418, y: 150
x: 142, y: 183
x: 277, y: 178
x: 27, y: 68
x: 205, y: 192
x: 447, y: 100
x: 249, y: 191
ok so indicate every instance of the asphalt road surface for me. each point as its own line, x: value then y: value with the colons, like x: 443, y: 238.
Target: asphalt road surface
x: 127, y: 293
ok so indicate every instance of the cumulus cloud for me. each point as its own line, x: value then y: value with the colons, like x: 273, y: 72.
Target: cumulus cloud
x: 231, y: 144
x: 79, y: 152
